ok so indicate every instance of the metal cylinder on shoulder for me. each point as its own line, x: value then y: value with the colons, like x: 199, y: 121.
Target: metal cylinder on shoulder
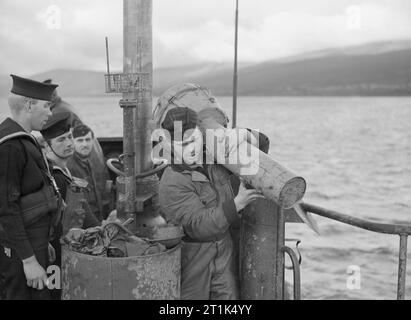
x: 275, y: 181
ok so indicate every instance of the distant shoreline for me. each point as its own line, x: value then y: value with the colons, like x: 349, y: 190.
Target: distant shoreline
x: 110, y: 95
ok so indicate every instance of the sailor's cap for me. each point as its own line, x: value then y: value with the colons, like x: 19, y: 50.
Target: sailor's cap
x: 81, y: 130
x: 56, y: 125
x: 32, y: 89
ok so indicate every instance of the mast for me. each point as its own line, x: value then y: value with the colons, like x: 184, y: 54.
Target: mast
x: 138, y: 59
x: 137, y: 187
x: 107, y: 57
x: 235, y: 76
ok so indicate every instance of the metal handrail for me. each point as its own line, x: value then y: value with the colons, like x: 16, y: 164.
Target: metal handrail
x: 296, y: 271
x: 401, y: 230
x: 357, y: 222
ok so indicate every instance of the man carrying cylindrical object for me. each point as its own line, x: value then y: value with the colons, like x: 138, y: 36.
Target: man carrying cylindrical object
x: 232, y: 148
x: 200, y: 198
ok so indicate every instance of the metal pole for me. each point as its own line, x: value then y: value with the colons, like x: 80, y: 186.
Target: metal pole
x: 402, y: 267
x: 129, y: 104
x: 128, y: 153
x: 108, y: 59
x: 235, y: 76
x: 258, y: 244
x: 279, y: 283
x: 138, y: 52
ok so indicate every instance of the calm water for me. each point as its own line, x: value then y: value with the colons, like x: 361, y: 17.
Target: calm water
x: 355, y: 154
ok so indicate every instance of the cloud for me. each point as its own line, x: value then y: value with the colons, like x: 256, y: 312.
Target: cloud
x: 32, y: 44
x: 289, y: 33
x: 188, y: 32
x: 282, y: 33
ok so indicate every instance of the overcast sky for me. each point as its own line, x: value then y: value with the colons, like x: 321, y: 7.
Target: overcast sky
x: 33, y: 38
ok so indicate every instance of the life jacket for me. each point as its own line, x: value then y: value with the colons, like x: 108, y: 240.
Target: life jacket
x: 77, y: 212
x: 74, y: 213
x: 44, y: 201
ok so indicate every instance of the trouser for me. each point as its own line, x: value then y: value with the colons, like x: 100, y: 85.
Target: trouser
x: 2, y: 288
x: 235, y: 236
x: 208, y: 271
x: 56, y: 293
x: 11, y: 267
x: 14, y: 280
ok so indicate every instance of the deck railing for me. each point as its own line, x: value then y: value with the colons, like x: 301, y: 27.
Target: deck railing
x: 403, y: 231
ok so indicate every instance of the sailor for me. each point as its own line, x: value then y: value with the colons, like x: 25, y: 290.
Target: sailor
x: 28, y: 200
x: 59, y: 148
x: 96, y: 157
x: 81, y: 166
x: 200, y: 198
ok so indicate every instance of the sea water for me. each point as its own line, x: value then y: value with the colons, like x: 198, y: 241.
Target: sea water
x: 355, y: 154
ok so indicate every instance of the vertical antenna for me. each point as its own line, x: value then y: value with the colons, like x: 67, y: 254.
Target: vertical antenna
x: 108, y: 60
x: 235, y: 76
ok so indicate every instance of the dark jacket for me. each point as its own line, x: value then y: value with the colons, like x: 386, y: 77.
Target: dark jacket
x: 202, y: 202
x: 22, y: 172
x: 63, y: 181
x: 96, y: 195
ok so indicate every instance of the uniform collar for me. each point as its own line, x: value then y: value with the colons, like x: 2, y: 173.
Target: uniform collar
x: 64, y: 171
x: 83, y: 161
x: 10, y: 129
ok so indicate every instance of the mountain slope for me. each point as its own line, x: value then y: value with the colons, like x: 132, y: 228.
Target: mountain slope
x: 379, y: 74
x: 381, y: 68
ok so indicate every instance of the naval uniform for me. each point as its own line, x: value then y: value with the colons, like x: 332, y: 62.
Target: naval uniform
x: 22, y: 172
x: 63, y: 180
x: 96, y: 196
x: 99, y: 199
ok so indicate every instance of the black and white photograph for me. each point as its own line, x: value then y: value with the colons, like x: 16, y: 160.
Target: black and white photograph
x: 221, y: 152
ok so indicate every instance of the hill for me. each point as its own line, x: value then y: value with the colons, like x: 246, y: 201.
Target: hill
x: 381, y: 68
